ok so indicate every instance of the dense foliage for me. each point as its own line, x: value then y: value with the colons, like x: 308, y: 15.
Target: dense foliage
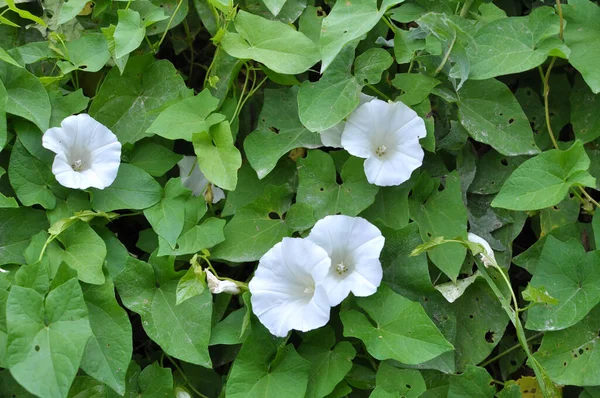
x: 138, y: 282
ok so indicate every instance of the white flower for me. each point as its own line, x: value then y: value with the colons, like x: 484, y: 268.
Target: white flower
x: 216, y: 285
x: 286, y: 289
x: 88, y: 154
x: 387, y: 135
x: 354, y: 245
x: 332, y: 136
x: 181, y: 392
x: 488, y: 249
x: 195, y: 180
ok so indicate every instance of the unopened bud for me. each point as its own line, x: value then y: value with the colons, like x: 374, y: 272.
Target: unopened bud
x: 216, y: 286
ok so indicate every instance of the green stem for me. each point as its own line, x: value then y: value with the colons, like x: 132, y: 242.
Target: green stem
x: 547, y: 387
x: 446, y: 57
x: 376, y: 91
x: 465, y: 9
x: 169, y: 24
x: 187, y: 381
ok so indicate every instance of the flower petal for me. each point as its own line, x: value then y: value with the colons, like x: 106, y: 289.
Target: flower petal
x: 394, y: 169
x: 351, y: 242
x: 332, y: 137
x: 191, y: 176
x: 286, y: 291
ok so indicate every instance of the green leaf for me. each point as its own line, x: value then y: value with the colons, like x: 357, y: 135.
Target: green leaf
x: 24, y: 14
x: 329, y: 364
x: 474, y: 382
x: 87, y: 387
x: 538, y: 295
x: 571, y: 356
x: 168, y: 216
x: 108, y: 353
x: 187, y: 117
x: 582, y: 35
x: 85, y: 252
x: 443, y: 215
x: 49, y: 333
x: 277, y: 45
x: 153, y: 158
x: 218, y: 158
x: 279, y: 131
x: 190, y: 285
x: 586, y: 122
x: 230, y: 330
x: 88, y: 53
x: 347, y: 22
x: 569, y: 274
x: 400, y: 330
x: 490, y: 113
x: 416, y: 87
x: 17, y: 226
x: 27, y: 97
x: 544, y: 180
x: 325, y: 103
x: 155, y: 382
x: 197, y: 238
x: 66, y: 105
x: 390, y: 207
x: 132, y: 189
x: 263, y: 370
x: 30, y: 178
x: 515, y: 44
x: 5, y: 56
x: 318, y: 186
x: 128, y: 103
x: 493, y: 169
x: 391, y: 380
x: 257, y: 227
x: 274, y: 6
x: 151, y: 292
x: 369, y: 65
x: 3, y: 122
x: 129, y: 33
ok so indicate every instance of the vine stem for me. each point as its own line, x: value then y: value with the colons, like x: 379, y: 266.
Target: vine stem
x: 187, y: 381
x: 465, y: 9
x: 546, y: 84
x: 546, y: 385
x: 446, y: 57
x: 169, y: 24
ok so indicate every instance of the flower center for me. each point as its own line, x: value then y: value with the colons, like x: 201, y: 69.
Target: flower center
x: 309, y: 290
x: 380, y: 151
x: 77, y: 165
x: 341, y: 269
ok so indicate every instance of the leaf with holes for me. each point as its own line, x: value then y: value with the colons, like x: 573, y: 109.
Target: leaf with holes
x: 318, y: 185
x: 490, y: 113
x: 279, y: 131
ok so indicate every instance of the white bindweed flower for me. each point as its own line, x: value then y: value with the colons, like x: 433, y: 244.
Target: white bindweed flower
x: 216, y: 285
x: 286, y: 289
x: 387, y: 135
x: 88, y: 154
x: 354, y: 245
x: 488, y: 249
x: 195, y: 180
x: 332, y: 136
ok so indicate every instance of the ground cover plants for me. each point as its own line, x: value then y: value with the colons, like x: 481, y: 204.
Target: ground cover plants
x: 299, y: 198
